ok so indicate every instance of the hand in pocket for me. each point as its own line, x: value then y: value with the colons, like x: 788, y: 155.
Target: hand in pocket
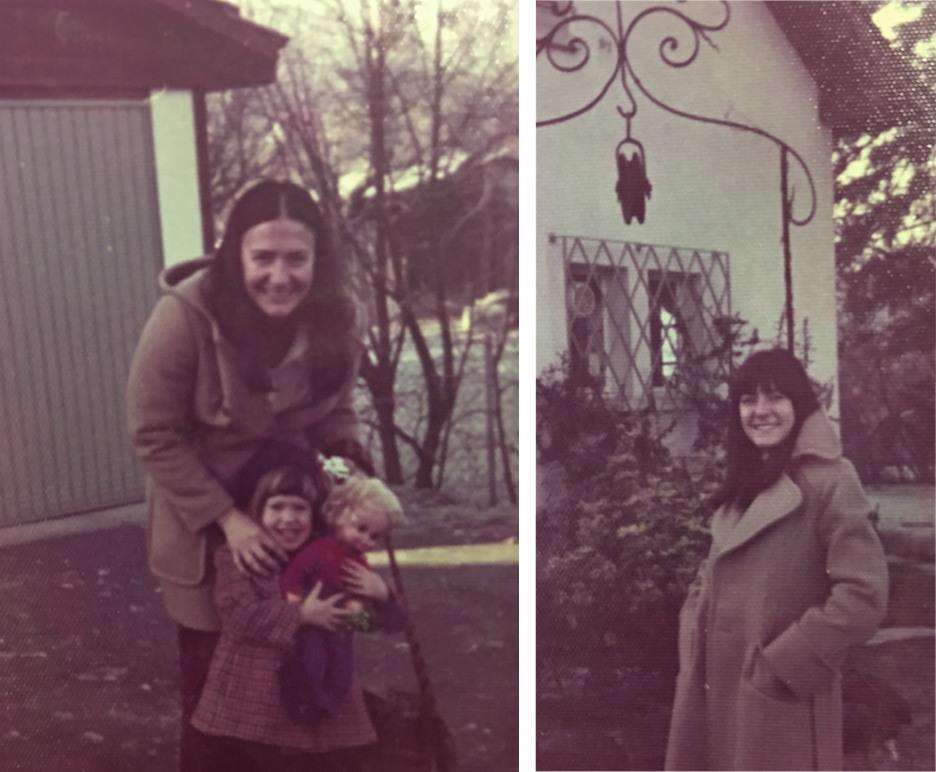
x: 764, y: 680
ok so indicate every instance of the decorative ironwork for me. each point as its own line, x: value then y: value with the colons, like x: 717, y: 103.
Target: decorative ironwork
x: 637, y: 312
x: 568, y: 53
x: 632, y: 185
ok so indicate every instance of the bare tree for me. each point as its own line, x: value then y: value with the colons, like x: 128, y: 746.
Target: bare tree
x: 405, y: 103
x: 240, y: 149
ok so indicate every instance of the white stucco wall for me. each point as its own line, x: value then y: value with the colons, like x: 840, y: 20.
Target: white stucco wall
x: 714, y: 188
x: 173, y: 119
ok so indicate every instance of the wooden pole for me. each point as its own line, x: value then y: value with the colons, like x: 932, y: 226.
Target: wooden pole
x: 489, y: 418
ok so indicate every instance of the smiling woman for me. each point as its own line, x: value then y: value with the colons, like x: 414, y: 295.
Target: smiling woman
x: 794, y: 577
x: 255, y: 343
x: 279, y: 264
x: 767, y: 418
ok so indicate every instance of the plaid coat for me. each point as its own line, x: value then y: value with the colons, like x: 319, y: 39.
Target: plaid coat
x: 241, y: 697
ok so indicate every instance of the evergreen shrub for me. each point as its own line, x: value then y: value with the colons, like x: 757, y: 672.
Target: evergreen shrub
x: 617, y: 551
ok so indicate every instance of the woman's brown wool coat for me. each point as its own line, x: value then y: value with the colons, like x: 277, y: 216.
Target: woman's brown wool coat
x: 785, y: 591
x: 194, y: 423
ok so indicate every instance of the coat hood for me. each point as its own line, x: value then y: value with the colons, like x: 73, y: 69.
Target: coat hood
x: 188, y: 281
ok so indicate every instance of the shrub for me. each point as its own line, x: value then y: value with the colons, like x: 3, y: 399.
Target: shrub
x: 617, y: 555
x: 617, y: 552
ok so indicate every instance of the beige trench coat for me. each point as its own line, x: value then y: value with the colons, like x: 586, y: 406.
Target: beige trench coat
x: 194, y: 423
x: 786, y: 590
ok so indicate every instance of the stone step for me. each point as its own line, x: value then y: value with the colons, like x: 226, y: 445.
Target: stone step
x: 892, y: 634
x: 912, y: 601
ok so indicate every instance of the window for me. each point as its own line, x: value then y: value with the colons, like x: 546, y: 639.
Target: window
x: 587, y: 361
x: 638, y: 315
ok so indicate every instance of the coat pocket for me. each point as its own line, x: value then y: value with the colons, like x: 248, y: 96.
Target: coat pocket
x: 773, y: 734
x: 175, y: 553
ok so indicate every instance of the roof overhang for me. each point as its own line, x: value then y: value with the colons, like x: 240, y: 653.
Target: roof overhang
x: 865, y: 86
x: 133, y: 44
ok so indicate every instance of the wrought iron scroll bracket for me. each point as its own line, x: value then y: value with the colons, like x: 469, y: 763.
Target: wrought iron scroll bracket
x: 576, y: 55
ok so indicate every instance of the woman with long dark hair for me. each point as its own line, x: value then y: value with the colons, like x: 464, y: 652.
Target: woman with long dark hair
x: 796, y: 575
x: 250, y: 350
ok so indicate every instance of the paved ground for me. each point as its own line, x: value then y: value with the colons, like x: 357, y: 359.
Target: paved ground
x: 88, y: 678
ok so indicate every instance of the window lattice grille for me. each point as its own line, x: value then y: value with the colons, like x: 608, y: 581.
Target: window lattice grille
x: 639, y: 315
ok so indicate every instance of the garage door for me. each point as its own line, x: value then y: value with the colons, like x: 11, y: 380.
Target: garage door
x: 79, y: 255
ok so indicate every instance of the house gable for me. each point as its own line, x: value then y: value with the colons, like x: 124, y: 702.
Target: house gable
x: 640, y: 298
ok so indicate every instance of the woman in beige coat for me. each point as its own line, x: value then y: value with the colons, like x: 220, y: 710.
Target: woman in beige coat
x: 795, y: 576
x: 255, y: 344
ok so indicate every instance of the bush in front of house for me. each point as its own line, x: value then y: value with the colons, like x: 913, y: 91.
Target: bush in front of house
x: 616, y: 551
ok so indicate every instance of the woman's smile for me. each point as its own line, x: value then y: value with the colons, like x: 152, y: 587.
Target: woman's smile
x: 278, y: 257
x: 767, y: 418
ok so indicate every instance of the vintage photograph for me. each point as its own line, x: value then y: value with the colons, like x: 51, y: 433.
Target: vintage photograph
x: 735, y: 385
x: 259, y: 389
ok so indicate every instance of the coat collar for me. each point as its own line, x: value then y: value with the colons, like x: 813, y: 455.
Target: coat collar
x: 189, y: 281
x: 816, y: 438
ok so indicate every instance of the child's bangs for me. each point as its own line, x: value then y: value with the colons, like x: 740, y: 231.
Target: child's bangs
x: 286, y: 481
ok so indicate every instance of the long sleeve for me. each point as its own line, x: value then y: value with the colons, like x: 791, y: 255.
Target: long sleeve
x: 806, y: 654
x: 253, y: 609
x: 160, y: 396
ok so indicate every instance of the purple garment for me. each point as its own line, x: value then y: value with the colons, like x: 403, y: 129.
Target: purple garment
x: 316, y: 675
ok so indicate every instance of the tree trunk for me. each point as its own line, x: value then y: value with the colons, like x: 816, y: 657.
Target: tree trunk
x: 382, y: 398
x: 382, y: 375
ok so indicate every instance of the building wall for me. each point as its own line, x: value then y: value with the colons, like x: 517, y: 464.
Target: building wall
x: 714, y: 188
x: 173, y: 119
x: 80, y: 249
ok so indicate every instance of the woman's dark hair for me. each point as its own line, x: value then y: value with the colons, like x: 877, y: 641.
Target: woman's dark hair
x: 327, y: 311
x: 748, y: 472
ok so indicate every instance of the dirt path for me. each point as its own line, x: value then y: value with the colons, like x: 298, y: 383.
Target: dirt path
x: 88, y: 679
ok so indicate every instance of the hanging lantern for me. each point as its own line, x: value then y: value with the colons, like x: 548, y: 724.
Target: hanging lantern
x: 633, y: 188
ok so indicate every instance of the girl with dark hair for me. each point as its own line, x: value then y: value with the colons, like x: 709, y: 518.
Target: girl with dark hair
x: 243, y: 711
x: 257, y: 344
x: 795, y: 576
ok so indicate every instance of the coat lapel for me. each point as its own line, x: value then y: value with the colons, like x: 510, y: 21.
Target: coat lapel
x: 772, y: 505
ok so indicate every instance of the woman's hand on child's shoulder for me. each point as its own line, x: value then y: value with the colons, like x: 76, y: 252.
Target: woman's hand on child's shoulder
x: 326, y: 613
x: 361, y: 581
x: 255, y: 551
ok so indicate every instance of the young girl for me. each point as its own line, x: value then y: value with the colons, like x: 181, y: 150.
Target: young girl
x: 241, y: 712
x: 795, y: 576
x: 316, y: 676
